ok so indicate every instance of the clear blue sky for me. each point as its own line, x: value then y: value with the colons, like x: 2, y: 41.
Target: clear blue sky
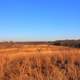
x: 39, y: 19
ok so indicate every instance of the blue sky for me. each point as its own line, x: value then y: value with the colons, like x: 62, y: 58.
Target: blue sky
x: 34, y: 20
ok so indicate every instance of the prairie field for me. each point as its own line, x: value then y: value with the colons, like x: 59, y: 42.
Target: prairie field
x: 39, y: 62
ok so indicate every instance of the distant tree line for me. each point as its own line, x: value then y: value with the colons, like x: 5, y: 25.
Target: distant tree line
x: 69, y: 43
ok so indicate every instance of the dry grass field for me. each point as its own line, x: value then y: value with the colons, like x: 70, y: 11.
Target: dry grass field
x: 39, y: 62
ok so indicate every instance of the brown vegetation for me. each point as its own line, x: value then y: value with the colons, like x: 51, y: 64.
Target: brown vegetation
x: 39, y: 62
x: 68, y: 43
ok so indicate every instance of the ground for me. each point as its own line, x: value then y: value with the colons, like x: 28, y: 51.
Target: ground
x: 39, y: 62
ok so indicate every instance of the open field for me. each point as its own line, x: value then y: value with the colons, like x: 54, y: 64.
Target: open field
x: 39, y: 62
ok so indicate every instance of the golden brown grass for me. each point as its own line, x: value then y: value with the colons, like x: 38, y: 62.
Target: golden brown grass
x: 41, y: 62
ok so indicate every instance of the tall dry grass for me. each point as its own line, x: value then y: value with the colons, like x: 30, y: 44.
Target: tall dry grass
x: 62, y: 64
